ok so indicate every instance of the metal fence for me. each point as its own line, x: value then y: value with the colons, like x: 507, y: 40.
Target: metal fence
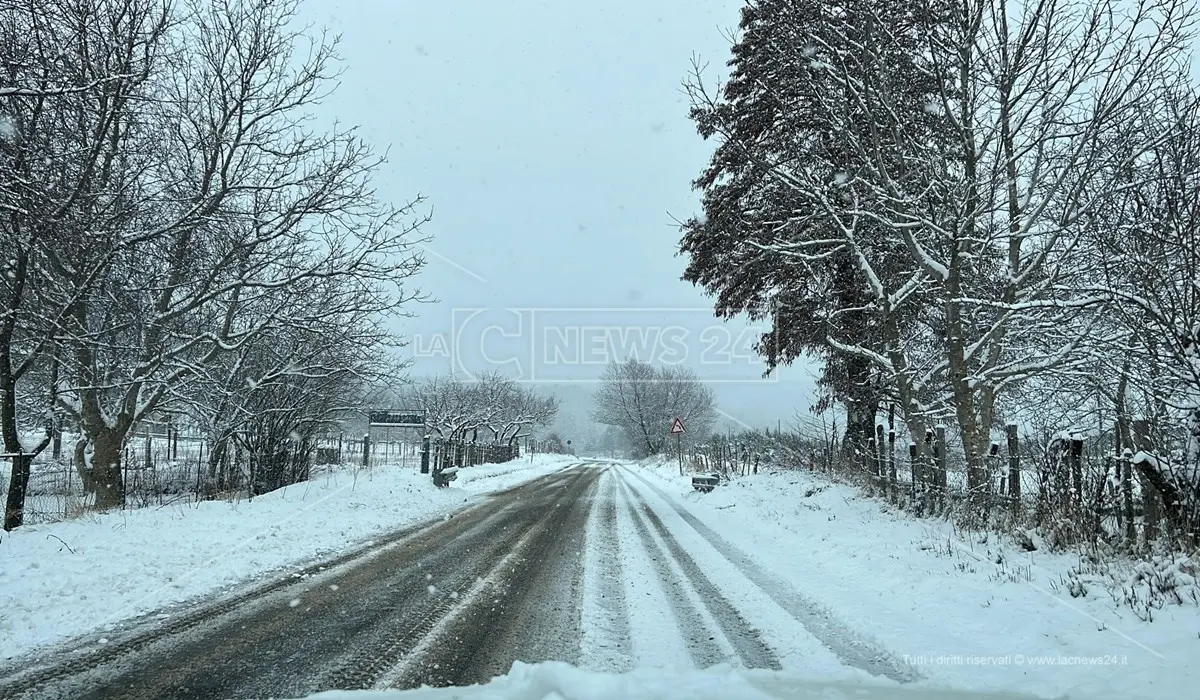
x: 170, y: 467
x: 444, y: 454
x: 158, y: 469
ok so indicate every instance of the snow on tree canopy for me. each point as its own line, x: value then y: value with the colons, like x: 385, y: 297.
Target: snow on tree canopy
x: 8, y: 129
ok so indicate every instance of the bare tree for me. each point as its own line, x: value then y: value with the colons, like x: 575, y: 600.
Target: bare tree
x: 276, y: 393
x: 1147, y: 245
x: 451, y: 406
x: 73, y: 72
x: 643, y: 400
x: 521, y: 411
x: 491, y: 402
x: 242, y: 207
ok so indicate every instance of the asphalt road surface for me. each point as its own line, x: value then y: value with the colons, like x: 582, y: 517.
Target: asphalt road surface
x: 452, y: 603
x: 592, y: 561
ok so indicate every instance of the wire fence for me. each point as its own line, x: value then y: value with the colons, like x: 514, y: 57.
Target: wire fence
x: 1074, y: 488
x: 169, y: 467
x: 157, y: 469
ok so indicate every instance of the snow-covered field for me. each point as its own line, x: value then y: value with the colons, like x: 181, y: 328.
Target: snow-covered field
x: 63, y: 579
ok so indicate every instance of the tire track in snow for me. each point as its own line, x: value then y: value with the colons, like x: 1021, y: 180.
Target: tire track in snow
x: 746, y: 640
x: 701, y: 644
x: 851, y: 647
x: 606, y: 637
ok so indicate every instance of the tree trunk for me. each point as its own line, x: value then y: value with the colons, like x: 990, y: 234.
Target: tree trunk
x: 81, y: 466
x: 14, y: 506
x: 54, y: 415
x: 214, y: 481
x: 106, y: 470
x: 862, y: 405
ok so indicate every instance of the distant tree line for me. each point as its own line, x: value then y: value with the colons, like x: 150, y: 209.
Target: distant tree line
x: 489, y: 408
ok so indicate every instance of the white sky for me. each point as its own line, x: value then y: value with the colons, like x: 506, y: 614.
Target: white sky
x: 553, y: 143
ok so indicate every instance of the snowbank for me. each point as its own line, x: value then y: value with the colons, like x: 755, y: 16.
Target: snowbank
x: 559, y: 681
x: 63, y: 579
x: 969, y: 610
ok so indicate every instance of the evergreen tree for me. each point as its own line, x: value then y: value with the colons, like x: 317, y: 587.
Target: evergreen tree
x: 763, y: 248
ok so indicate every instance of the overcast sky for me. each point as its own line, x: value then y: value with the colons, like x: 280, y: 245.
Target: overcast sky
x: 553, y: 144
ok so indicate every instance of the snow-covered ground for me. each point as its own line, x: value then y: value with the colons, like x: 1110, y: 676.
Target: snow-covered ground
x: 63, y: 579
x: 680, y: 593
x: 558, y: 681
x: 974, y: 613
x: 838, y: 587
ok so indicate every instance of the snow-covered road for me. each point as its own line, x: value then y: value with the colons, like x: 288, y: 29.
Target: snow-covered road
x: 589, y: 565
x: 726, y: 606
x: 610, y: 567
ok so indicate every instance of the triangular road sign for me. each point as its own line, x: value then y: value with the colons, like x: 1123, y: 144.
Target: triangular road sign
x: 677, y: 427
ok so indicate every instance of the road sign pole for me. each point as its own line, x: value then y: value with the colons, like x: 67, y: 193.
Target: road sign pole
x: 679, y: 449
x: 677, y: 430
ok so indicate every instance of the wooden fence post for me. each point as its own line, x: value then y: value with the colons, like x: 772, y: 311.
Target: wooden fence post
x: 870, y: 461
x: 1151, y: 508
x: 913, y: 470
x: 885, y: 476
x: 149, y: 446
x: 993, y: 460
x: 928, y: 473
x: 1014, y: 465
x: 942, y: 481
x: 1075, y: 464
x: 892, y: 486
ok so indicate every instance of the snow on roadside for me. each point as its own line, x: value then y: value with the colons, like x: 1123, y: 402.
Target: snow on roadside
x: 64, y: 579
x: 490, y: 478
x: 975, y: 614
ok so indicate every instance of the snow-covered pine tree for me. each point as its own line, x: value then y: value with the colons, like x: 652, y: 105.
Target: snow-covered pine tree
x: 773, y: 250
